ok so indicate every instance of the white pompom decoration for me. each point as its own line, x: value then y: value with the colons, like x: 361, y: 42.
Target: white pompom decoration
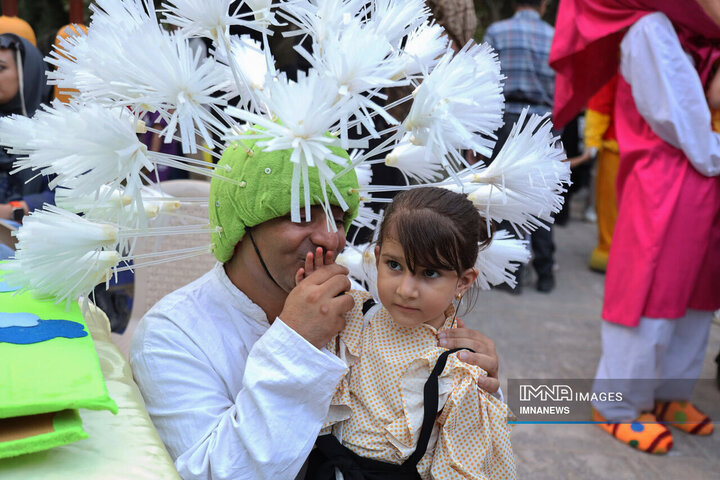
x: 458, y: 105
x: 415, y: 162
x: 497, y: 262
x: 62, y: 254
x: 360, y: 260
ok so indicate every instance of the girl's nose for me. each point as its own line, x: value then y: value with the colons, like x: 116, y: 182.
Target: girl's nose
x: 407, y: 287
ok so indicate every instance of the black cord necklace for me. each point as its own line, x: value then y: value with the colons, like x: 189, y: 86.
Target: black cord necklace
x: 262, y: 262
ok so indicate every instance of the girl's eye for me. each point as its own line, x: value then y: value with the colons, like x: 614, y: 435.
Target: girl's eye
x: 393, y: 265
x: 431, y: 273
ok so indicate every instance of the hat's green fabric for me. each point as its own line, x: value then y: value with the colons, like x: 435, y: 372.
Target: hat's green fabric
x: 264, y: 192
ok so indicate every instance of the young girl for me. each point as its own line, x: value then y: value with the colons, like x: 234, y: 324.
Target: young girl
x: 408, y: 408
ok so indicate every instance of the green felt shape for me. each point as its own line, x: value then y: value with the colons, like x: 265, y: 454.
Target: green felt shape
x: 52, y: 375
x: 264, y: 192
x: 30, y: 433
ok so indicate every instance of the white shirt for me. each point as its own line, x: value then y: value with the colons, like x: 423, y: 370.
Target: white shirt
x: 668, y: 92
x: 231, y: 396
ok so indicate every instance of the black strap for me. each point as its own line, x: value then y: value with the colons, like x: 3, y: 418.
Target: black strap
x: 252, y: 240
x: 330, y: 453
x: 367, y: 305
x: 430, y: 401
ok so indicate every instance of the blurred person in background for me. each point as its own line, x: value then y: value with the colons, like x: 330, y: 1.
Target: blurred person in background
x: 21, y: 193
x: 523, y: 44
x: 663, y: 272
x: 601, y: 142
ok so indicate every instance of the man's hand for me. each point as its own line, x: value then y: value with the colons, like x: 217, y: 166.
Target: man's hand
x: 484, y: 357
x: 315, y: 307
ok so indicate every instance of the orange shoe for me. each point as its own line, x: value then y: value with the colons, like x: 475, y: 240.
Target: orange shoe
x: 644, y: 433
x: 685, y: 416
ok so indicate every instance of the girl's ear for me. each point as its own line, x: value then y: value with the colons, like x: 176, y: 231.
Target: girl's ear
x: 466, y: 280
x: 377, y: 255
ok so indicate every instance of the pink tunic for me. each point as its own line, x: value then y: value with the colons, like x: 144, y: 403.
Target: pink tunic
x: 665, y: 253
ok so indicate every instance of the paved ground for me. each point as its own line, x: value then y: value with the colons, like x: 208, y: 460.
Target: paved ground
x: 558, y: 336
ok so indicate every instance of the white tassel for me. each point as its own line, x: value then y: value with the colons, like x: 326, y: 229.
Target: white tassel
x: 360, y: 260
x: 525, y: 213
x: 395, y: 19
x: 108, y: 204
x: 251, y: 62
x: 64, y: 255
x: 425, y: 46
x: 63, y: 279
x: 366, y: 217
x: 306, y: 111
x: 361, y: 61
x: 262, y: 11
x: 61, y: 254
x: 364, y: 174
x: 530, y: 167
x: 205, y: 18
x: 87, y: 147
x: 105, y: 203
x: 414, y: 161
x: 459, y: 104
x: 146, y: 68
x: 319, y: 19
x: 497, y: 262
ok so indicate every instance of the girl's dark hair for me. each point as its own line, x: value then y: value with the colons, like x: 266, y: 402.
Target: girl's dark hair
x: 437, y: 229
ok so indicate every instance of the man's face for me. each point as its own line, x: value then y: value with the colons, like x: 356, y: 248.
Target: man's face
x: 284, y: 244
x: 8, y: 76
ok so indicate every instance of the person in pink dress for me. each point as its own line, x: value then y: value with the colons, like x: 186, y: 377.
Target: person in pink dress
x: 663, y: 275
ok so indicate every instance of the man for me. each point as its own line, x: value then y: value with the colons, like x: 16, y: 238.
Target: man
x: 232, y: 366
x: 523, y: 44
x: 664, y: 269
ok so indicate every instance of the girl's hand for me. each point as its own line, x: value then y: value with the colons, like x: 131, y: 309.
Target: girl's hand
x: 484, y: 357
x: 313, y: 261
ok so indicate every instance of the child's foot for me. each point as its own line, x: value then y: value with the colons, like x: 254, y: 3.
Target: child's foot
x: 644, y: 433
x: 685, y: 416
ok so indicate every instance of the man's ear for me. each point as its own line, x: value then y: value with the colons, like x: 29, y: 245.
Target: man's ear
x: 466, y: 279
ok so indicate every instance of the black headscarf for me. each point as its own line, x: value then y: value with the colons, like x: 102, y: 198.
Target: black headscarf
x: 35, y: 91
x: 35, y: 88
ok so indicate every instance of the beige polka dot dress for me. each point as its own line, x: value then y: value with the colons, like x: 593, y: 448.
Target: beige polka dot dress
x: 383, y: 389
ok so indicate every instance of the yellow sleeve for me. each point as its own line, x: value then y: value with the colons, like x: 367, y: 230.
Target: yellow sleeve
x: 474, y: 436
x: 596, y: 124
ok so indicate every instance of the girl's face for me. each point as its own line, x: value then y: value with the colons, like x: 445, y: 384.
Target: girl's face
x: 416, y: 298
x: 8, y: 76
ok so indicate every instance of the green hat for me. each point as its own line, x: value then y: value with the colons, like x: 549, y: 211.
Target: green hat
x: 261, y: 191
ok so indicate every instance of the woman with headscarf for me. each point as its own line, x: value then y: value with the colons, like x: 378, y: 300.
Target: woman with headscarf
x: 23, y: 88
x: 663, y: 273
